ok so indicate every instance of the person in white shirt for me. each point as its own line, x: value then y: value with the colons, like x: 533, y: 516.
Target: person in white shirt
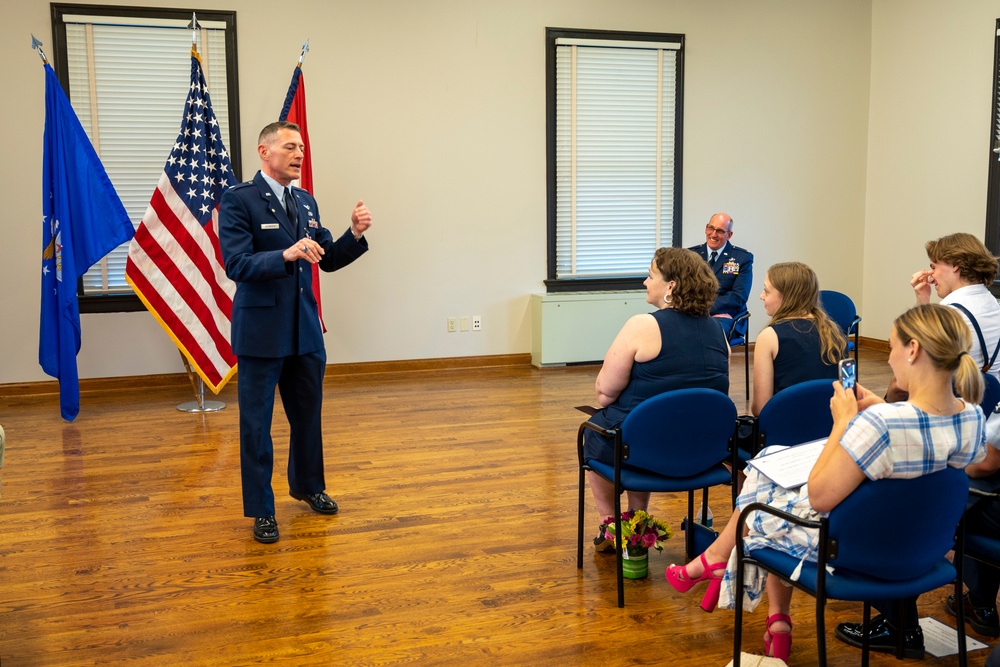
x: 961, y: 271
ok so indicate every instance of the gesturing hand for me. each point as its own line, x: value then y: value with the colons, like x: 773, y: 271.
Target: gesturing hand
x: 361, y: 219
x: 306, y: 249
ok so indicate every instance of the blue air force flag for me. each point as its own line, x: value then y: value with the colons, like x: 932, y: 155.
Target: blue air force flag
x: 82, y: 221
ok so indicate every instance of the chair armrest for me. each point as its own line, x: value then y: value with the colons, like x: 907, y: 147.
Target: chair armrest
x: 744, y: 317
x: 854, y: 326
x: 591, y: 426
x: 767, y: 509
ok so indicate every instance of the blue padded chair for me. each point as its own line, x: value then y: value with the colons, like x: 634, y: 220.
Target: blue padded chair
x: 739, y: 336
x: 675, y: 441
x: 794, y: 415
x: 873, y: 559
x: 984, y: 548
x: 991, y: 394
x: 841, y: 310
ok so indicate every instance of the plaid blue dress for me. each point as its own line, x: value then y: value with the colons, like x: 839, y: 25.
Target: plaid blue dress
x: 886, y: 440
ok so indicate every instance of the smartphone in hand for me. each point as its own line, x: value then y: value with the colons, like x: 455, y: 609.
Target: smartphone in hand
x: 848, y: 372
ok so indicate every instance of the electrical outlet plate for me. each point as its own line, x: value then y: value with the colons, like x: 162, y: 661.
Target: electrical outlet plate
x: 452, y: 324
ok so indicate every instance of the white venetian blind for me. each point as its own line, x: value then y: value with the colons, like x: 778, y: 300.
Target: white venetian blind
x: 128, y: 84
x: 615, y: 155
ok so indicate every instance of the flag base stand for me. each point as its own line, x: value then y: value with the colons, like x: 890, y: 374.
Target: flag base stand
x: 207, y: 406
x: 200, y: 405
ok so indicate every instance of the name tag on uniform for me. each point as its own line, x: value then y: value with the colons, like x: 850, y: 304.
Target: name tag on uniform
x: 271, y: 225
x: 732, y: 267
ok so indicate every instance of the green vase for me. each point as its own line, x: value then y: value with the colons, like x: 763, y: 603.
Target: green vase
x: 635, y: 563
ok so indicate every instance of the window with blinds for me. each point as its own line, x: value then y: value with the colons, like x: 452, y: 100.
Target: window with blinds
x: 614, y: 150
x: 127, y: 71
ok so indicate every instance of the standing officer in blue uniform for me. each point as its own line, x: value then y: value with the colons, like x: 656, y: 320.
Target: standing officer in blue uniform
x: 270, y: 234
x: 733, y: 267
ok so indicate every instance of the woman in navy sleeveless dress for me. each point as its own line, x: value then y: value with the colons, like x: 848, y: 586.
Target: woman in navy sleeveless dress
x: 675, y: 347
x: 801, y: 342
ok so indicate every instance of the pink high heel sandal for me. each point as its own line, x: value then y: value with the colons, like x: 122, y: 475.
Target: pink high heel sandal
x: 778, y: 644
x: 678, y: 577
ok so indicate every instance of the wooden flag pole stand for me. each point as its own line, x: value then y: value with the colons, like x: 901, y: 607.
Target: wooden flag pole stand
x: 199, y: 405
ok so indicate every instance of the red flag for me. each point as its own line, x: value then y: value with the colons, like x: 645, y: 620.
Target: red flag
x: 174, y: 261
x: 294, y: 111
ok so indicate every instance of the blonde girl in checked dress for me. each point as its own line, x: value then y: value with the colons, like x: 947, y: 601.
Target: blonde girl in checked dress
x: 871, y: 439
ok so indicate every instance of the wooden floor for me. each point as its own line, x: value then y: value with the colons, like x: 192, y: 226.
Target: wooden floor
x: 123, y: 540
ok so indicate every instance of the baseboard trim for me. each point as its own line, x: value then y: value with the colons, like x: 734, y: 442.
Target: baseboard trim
x: 131, y: 382
x: 875, y: 344
x: 439, y: 364
x: 126, y: 383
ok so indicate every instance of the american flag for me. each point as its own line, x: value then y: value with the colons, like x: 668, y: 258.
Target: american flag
x: 174, y: 262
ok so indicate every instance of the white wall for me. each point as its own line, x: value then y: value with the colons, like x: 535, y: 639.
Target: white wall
x: 433, y: 111
x: 929, y: 132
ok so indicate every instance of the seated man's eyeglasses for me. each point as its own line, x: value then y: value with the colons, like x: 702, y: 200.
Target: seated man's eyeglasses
x: 716, y: 231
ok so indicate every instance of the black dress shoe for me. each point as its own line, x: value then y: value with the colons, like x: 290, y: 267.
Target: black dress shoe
x: 983, y: 620
x: 319, y: 502
x: 265, y: 529
x: 882, y: 636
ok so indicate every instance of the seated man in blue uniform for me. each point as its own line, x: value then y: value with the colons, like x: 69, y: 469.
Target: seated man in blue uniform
x: 733, y: 267
x: 270, y: 234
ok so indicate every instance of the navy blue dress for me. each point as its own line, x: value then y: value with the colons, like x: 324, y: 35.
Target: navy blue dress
x: 693, y: 353
x: 800, y: 354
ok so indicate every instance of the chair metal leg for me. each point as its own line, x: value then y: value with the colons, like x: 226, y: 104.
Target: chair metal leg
x: 820, y: 630
x: 746, y: 364
x: 900, y: 632
x: 689, y: 533
x: 865, y: 624
x: 738, y: 620
x: 963, y: 657
x: 619, y: 545
x: 579, y: 527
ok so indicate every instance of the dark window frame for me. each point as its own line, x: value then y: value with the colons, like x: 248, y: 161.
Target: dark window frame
x: 127, y: 303
x: 552, y: 283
